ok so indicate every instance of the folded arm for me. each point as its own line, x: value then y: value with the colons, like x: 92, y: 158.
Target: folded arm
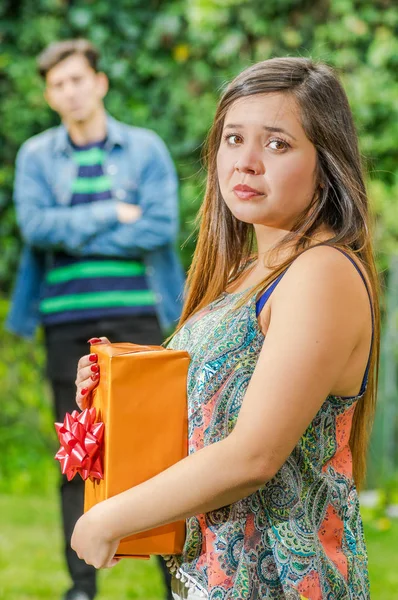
x: 158, y: 200
x: 96, y: 228
x: 45, y: 226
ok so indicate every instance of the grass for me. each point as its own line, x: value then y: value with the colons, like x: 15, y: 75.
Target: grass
x: 382, y: 543
x: 31, y: 563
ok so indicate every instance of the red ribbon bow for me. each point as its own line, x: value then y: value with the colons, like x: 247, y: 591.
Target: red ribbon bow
x: 80, y: 439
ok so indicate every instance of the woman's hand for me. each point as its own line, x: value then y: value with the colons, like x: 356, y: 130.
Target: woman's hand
x: 90, y: 542
x: 88, y: 375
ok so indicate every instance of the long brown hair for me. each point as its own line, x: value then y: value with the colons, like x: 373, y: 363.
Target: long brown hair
x: 225, y: 244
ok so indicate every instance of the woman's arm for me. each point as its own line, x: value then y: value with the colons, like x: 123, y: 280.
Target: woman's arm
x: 319, y: 315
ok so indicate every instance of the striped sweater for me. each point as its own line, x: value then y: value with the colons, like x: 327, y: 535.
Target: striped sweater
x: 93, y: 287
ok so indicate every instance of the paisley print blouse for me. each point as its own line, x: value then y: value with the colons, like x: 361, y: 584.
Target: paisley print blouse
x: 300, y: 535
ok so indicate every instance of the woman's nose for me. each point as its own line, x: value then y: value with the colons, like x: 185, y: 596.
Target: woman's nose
x: 250, y: 162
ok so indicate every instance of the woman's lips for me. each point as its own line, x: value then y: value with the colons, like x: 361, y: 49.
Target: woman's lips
x: 245, y: 192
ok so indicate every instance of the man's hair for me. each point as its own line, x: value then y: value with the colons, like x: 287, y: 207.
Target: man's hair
x: 58, y: 51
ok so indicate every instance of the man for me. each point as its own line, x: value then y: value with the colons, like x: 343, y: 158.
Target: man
x: 96, y: 202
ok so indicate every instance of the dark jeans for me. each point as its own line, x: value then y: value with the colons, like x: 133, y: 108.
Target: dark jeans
x: 65, y: 344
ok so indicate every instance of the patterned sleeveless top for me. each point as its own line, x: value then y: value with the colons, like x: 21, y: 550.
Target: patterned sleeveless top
x: 300, y: 535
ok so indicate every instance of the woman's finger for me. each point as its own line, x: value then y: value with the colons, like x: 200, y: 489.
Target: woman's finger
x: 85, y: 373
x: 98, y: 340
x: 86, y: 361
x: 86, y: 380
x: 87, y: 384
x: 87, y: 377
x: 112, y: 563
x: 83, y: 402
x: 83, y: 393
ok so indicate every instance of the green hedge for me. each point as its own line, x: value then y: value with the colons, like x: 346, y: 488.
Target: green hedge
x: 167, y: 61
x: 27, y: 435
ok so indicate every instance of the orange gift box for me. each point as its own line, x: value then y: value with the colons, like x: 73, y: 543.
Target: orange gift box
x: 141, y: 398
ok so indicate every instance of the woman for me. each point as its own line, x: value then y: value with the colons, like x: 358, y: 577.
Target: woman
x: 282, y: 324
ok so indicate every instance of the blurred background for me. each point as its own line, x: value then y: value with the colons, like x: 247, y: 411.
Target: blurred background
x: 167, y: 62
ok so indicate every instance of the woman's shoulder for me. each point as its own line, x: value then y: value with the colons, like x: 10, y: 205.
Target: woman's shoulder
x: 322, y: 296
x: 328, y: 272
x: 328, y: 263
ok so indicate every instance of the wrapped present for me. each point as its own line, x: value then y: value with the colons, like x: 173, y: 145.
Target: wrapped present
x: 141, y: 399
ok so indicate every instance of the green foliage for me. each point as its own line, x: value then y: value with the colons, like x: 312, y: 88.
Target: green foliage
x: 27, y: 436
x: 167, y: 62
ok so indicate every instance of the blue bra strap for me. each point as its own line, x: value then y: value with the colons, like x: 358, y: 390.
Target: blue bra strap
x: 267, y: 293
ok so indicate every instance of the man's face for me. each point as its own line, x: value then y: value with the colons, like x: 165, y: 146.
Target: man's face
x: 74, y: 90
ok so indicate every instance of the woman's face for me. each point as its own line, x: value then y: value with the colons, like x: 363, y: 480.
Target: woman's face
x: 265, y: 163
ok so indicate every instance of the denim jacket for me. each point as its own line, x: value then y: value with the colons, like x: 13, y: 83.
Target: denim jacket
x: 141, y: 172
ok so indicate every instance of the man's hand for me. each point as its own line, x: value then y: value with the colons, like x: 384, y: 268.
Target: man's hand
x: 128, y: 213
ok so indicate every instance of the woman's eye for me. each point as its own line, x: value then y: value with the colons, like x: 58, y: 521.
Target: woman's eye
x: 233, y: 139
x: 277, y: 144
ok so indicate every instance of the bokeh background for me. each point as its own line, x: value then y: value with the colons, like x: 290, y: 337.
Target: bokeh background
x: 167, y: 61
